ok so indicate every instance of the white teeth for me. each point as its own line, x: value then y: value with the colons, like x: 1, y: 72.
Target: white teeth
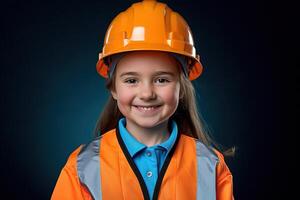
x: 147, y: 108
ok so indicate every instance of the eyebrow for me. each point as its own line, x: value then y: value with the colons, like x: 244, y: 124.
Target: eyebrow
x: 155, y: 74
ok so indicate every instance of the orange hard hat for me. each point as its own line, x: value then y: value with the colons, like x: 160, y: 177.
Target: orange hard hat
x: 150, y: 25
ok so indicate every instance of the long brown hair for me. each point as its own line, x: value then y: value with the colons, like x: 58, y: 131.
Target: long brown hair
x: 188, y: 119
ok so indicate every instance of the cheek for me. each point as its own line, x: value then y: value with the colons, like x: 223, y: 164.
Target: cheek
x: 124, y: 97
x: 170, y: 95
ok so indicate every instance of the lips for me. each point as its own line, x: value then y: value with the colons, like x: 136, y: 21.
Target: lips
x: 147, y: 106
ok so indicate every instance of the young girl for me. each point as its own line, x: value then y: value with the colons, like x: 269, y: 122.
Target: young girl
x: 152, y: 144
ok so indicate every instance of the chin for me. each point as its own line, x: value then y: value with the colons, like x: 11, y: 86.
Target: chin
x: 148, y: 123
x: 145, y: 123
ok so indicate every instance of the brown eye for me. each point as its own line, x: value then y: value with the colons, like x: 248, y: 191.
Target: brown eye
x: 130, y: 81
x: 161, y: 80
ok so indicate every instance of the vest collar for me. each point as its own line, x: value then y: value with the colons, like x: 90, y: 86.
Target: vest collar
x: 137, y: 172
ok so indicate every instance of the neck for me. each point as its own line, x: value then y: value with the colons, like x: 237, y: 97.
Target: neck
x: 149, y: 136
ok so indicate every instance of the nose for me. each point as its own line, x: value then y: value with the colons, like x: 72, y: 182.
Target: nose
x: 147, y: 92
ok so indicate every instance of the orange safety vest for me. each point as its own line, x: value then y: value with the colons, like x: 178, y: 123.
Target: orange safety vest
x: 103, y: 169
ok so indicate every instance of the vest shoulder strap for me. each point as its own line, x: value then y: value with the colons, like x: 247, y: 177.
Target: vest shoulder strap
x: 88, y: 168
x: 207, y: 161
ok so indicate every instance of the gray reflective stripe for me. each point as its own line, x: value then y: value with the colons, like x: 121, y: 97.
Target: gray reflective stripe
x: 206, y: 174
x: 88, y: 168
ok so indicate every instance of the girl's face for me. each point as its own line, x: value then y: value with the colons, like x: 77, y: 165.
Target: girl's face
x: 147, y: 88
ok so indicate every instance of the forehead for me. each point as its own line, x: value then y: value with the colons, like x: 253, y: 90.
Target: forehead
x: 147, y: 62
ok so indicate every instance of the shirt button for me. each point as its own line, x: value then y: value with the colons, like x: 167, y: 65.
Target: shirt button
x: 149, y: 174
x: 148, y: 153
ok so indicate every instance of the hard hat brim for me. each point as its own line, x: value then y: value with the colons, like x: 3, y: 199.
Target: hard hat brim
x: 195, y: 69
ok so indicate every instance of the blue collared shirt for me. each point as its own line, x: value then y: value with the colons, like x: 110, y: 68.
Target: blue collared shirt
x: 149, y: 160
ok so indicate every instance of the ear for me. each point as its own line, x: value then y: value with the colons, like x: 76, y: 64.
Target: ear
x: 114, y: 94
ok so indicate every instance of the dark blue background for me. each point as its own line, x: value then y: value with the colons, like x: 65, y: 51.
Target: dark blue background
x: 51, y: 94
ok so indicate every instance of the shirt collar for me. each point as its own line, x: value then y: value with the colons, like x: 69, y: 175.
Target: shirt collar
x: 134, y: 146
